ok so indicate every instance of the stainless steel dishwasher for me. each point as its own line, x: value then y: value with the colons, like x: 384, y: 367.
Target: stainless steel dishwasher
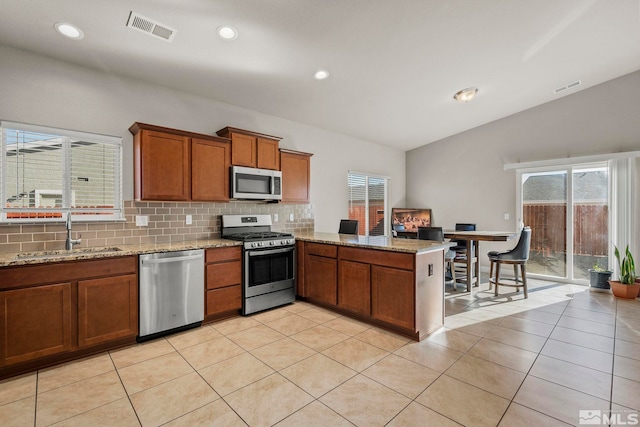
x: 171, y: 292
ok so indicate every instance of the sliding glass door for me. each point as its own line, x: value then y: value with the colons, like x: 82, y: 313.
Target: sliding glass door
x: 568, y: 212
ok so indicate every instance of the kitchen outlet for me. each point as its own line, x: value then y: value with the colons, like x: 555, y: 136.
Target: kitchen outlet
x: 275, y: 217
x: 290, y: 217
x: 142, y: 220
x: 506, y: 216
x: 189, y: 220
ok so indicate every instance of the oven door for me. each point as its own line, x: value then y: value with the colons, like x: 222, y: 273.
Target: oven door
x: 268, y: 270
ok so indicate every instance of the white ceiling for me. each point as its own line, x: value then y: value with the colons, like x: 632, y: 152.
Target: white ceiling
x: 394, y: 64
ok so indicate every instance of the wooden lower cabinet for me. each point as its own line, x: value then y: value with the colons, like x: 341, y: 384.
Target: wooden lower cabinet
x: 107, y: 309
x: 321, y: 278
x: 36, y: 322
x: 223, y: 276
x: 393, y: 296
x: 354, y: 287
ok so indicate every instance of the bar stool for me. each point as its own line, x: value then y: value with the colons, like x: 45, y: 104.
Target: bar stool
x: 437, y: 234
x: 517, y: 256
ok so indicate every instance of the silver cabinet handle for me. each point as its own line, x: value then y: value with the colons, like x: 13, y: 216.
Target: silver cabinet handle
x: 166, y: 260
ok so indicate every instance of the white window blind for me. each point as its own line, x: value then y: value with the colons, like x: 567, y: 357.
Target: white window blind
x: 369, y: 203
x: 48, y: 173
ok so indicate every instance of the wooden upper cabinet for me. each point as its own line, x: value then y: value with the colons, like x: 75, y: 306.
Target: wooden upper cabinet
x: 171, y: 164
x: 252, y: 149
x: 296, y: 176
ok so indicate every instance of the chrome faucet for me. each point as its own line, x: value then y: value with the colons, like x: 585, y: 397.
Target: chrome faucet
x: 68, y: 245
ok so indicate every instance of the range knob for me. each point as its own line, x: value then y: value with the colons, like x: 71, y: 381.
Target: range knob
x: 272, y: 243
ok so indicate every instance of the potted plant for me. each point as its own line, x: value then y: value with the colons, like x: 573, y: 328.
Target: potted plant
x: 626, y: 287
x: 599, y: 277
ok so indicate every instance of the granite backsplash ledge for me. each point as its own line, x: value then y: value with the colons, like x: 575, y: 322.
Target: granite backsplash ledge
x: 167, y: 223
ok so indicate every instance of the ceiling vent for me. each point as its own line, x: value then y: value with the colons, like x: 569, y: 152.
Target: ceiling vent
x: 151, y: 27
x: 568, y: 86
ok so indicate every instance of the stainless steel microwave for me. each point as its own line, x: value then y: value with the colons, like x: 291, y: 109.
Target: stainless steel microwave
x: 256, y: 184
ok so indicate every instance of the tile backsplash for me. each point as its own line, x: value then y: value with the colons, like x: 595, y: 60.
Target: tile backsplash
x: 167, y: 223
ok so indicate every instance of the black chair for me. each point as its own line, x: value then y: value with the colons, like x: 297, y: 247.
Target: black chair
x: 517, y: 256
x: 348, y: 226
x: 437, y: 234
x: 461, y: 245
x: 462, y: 252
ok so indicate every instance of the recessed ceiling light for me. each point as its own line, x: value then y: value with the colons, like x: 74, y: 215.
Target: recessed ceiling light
x: 321, y: 75
x: 68, y: 30
x: 465, y: 95
x: 227, y: 32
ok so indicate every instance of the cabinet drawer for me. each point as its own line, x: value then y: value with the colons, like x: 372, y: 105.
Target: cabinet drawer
x: 224, y: 274
x: 231, y: 253
x: 224, y: 299
x: 372, y: 256
x: 330, y: 251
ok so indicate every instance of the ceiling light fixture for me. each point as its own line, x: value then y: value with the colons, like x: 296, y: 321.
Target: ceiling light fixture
x: 466, y: 95
x: 68, y: 30
x: 227, y: 32
x: 321, y: 75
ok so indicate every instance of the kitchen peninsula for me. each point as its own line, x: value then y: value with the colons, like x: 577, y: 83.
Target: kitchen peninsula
x: 397, y: 284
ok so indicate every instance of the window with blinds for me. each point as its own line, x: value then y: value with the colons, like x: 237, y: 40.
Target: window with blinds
x: 369, y: 203
x: 48, y: 173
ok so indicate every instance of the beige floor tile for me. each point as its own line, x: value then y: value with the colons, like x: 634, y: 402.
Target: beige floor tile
x: 299, y: 306
x: 319, y: 337
x: 521, y: 416
x: 594, y: 304
x: 431, y: 355
x: 255, y: 337
x: 486, y: 375
x: 170, y: 400
x: 291, y: 324
x: 234, y: 373
x: 17, y: 388
x: 318, y: 374
x: 482, y: 315
x: 18, y: 413
x: 355, y: 354
x: 71, y: 372
x: 234, y: 325
x: 594, y: 316
x: 282, y: 353
x: 503, y: 354
x: 150, y: 373
x: 516, y: 338
x: 555, y: 307
x: 417, y: 415
x: 627, y: 332
x: 622, y: 348
x: 271, y: 315
x: 118, y: 413
x: 480, y: 408
x: 140, y: 352
x: 626, y: 392
x: 584, y: 339
x: 579, y: 355
x: 626, y: 368
x: 453, y: 339
x: 318, y: 315
x: 628, y: 310
x: 587, y: 326
x: 268, y: 401
x: 555, y: 400
x: 526, y: 325
x: 537, y: 315
x: 82, y: 396
x: 364, y: 402
x: 468, y: 326
x: 402, y: 375
x: 577, y: 377
x: 193, y: 337
x: 210, y: 352
x: 314, y: 414
x: 382, y: 339
x: 347, y: 326
x: 214, y: 414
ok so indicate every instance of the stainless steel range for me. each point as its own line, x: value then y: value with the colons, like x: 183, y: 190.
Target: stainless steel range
x: 268, y: 261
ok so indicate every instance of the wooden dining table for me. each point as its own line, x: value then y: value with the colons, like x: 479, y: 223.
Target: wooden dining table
x: 473, y: 238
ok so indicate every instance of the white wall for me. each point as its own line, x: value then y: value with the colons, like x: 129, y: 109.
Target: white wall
x: 462, y: 178
x: 39, y: 90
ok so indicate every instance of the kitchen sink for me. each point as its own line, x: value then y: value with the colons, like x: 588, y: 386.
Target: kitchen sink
x: 66, y: 253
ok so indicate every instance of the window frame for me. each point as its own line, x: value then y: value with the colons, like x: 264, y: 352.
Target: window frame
x: 387, y: 210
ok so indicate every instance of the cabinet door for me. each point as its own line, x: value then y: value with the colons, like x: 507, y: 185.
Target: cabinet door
x: 321, y: 278
x: 164, y: 167
x: 107, y: 309
x: 210, y: 161
x: 36, y: 322
x: 296, y: 181
x: 224, y: 274
x: 354, y: 286
x: 224, y: 299
x: 392, y: 296
x: 268, y: 154
x: 243, y: 150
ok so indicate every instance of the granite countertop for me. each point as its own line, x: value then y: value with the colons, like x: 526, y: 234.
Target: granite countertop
x: 82, y: 253
x: 375, y: 242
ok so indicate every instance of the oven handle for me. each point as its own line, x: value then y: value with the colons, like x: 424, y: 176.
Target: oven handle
x: 270, y: 251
